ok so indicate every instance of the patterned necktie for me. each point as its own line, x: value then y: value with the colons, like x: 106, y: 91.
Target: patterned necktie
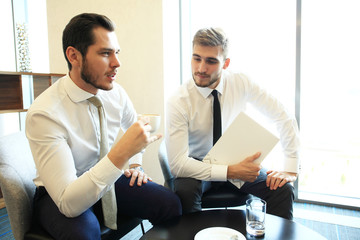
x: 108, y: 201
x: 216, y: 117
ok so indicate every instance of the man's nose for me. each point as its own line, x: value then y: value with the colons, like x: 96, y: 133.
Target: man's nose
x: 202, y: 66
x: 115, y: 62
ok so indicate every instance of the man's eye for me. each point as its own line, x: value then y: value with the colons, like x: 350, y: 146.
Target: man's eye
x: 105, y: 53
x: 197, y: 59
x: 212, y: 61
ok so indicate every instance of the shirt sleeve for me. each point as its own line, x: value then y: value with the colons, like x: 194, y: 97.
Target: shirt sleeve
x: 286, y: 124
x: 55, y: 164
x: 177, y: 146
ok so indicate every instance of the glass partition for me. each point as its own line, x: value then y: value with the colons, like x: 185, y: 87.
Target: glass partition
x: 7, y: 43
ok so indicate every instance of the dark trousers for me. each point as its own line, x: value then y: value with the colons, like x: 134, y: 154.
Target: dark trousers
x: 279, y: 201
x: 150, y: 201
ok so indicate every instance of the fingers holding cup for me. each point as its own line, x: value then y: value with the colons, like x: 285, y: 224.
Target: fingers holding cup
x: 153, y: 120
x: 151, y: 123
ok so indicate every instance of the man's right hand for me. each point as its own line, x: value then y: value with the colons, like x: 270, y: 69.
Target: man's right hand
x: 245, y: 170
x: 134, y: 140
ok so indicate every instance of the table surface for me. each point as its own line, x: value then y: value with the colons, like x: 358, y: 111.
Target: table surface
x: 186, y: 226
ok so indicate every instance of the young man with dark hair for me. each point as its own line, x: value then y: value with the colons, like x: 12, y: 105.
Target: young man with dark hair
x: 70, y: 128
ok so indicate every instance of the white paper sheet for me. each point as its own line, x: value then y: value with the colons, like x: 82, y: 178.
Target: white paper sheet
x: 242, y: 139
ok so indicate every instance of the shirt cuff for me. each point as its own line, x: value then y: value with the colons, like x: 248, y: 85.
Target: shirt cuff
x: 291, y: 165
x: 136, y: 159
x: 219, y: 173
x: 105, y: 171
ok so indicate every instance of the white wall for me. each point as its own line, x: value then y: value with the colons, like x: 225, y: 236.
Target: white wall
x: 140, y: 35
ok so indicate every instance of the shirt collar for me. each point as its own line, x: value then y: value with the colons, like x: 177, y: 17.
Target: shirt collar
x: 75, y: 93
x: 205, y: 92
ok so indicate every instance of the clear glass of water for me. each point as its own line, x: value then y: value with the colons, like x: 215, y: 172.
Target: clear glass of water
x: 255, y: 217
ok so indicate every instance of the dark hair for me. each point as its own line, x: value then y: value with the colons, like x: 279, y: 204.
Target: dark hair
x: 78, y: 33
x: 212, y: 37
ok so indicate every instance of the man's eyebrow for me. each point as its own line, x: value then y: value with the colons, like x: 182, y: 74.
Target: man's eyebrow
x: 109, y: 50
x: 209, y: 58
x: 212, y: 59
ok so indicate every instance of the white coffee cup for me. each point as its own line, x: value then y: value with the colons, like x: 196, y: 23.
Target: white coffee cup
x: 155, y: 120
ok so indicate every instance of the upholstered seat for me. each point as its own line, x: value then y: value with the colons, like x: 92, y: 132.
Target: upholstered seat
x: 17, y: 170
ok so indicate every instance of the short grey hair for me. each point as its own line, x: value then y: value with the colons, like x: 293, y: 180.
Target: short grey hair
x: 212, y: 37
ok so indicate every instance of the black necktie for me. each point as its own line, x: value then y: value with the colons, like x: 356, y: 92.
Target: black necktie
x: 216, y: 117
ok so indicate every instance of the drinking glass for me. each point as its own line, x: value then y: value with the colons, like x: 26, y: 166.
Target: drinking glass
x: 255, y: 217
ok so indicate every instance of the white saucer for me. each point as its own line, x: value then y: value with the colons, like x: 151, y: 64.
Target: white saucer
x: 218, y: 233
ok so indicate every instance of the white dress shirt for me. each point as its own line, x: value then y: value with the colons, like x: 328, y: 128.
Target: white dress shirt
x: 64, y: 134
x: 189, y: 124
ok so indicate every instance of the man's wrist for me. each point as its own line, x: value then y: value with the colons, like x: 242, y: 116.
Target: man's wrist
x: 138, y: 168
x: 230, y: 173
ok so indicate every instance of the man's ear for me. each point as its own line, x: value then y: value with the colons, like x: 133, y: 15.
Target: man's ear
x: 226, y: 63
x: 74, y: 56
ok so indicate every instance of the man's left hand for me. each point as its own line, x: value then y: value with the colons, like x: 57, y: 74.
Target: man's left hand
x: 277, y: 179
x: 137, y: 173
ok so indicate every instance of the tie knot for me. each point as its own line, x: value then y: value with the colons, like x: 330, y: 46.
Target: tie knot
x: 214, y: 93
x: 95, y: 101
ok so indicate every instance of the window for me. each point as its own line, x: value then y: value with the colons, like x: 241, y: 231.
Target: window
x: 262, y: 37
x: 330, y: 98
x: 30, y: 27
x: 265, y: 45
x: 24, y: 47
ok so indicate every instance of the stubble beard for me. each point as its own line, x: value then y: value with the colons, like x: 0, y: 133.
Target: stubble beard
x: 89, y: 78
x: 206, y: 84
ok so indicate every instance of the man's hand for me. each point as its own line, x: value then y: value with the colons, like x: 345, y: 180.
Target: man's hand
x: 137, y: 137
x: 245, y: 170
x: 277, y: 179
x: 142, y: 177
x: 134, y: 140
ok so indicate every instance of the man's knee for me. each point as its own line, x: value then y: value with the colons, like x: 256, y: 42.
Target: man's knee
x: 288, y: 191
x: 281, y: 204
x: 189, y: 191
x: 170, y: 205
